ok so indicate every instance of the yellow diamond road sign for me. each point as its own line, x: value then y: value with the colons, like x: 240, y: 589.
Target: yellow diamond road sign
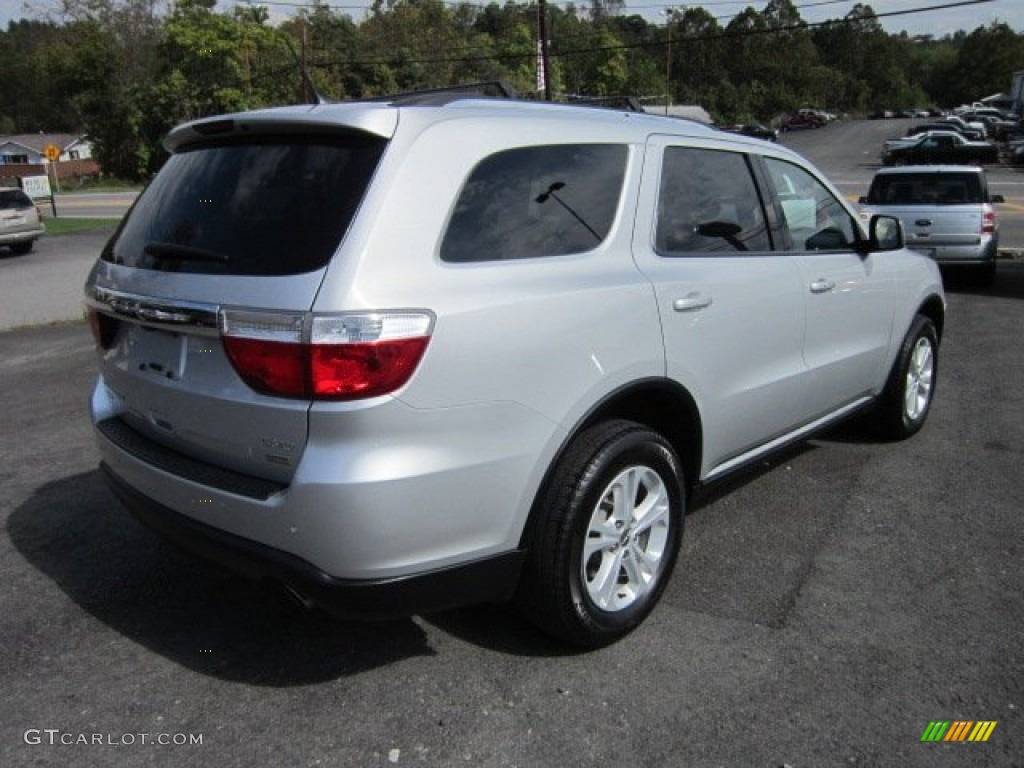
x: 52, y: 152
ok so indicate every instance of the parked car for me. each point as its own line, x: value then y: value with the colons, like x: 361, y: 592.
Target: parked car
x: 946, y: 148
x: 1015, y: 152
x: 911, y: 140
x: 804, y: 119
x: 974, y: 131
x: 412, y: 354
x: 757, y: 131
x: 20, y: 221
x: 917, y: 130
x: 946, y: 211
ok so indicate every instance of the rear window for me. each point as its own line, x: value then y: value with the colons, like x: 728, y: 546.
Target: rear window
x: 14, y: 198
x: 272, y: 207
x: 926, y: 189
x: 536, y: 201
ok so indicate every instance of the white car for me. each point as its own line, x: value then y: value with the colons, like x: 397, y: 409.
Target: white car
x: 20, y: 221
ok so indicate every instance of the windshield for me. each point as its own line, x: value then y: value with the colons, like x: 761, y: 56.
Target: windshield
x: 269, y: 207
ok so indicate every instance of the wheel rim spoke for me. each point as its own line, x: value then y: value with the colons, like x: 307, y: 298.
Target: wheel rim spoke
x: 920, y: 371
x: 626, y: 539
x: 606, y: 581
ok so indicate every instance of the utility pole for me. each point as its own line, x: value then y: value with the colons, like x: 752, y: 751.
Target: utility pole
x: 307, y: 96
x: 670, y: 13
x: 542, y: 33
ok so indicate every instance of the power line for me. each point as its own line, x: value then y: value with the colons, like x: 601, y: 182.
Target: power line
x: 526, y: 7
x: 724, y: 35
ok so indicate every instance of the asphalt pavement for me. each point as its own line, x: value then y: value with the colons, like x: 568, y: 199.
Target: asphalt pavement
x: 45, y: 285
x: 826, y: 609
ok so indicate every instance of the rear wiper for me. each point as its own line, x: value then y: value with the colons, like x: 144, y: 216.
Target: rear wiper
x: 182, y: 252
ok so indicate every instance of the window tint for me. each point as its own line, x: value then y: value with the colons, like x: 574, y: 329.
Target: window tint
x: 816, y: 221
x: 536, y: 201
x: 925, y: 189
x: 259, y: 208
x: 14, y: 198
x: 708, y: 202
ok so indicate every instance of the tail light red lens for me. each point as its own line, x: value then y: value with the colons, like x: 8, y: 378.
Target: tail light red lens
x: 988, y: 222
x: 270, y: 367
x: 369, y: 369
x: 340, y: 357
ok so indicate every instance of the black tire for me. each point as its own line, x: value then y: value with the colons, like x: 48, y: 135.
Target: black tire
x: 985, y: 275
x: 910, y: 390
x: 21, y: 248
x: 557, y: 590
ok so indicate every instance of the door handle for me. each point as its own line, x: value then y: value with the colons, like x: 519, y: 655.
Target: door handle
x: 691, y: 302
x: 822, y: 285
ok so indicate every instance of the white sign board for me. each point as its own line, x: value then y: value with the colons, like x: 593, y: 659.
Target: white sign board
x: 36, y: 186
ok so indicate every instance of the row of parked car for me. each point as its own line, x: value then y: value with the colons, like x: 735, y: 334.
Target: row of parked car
x: 967, y: 138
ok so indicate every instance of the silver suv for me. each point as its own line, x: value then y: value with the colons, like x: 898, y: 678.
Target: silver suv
x: 946, y: 211
x: 403, y: 356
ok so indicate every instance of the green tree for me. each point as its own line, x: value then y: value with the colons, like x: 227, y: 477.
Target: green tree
x: 985, y: 63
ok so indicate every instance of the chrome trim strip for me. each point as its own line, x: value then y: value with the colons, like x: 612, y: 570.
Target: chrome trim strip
x: 168, y: 314
x: 790, y: 437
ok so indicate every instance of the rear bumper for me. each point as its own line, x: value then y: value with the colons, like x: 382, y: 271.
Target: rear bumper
x: 492, y: 579
x: 21, y: 236
x: 985, y: 252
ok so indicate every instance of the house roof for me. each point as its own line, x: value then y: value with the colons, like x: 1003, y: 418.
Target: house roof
x: 38, y: 141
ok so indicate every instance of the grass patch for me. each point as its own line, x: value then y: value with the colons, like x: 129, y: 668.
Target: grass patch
x: 105, y: 184
x: 59, y: 226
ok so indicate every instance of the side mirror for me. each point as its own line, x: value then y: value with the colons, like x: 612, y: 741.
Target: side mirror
x: 996, y: 199
x: 885, y: 233
x: 863, y: 199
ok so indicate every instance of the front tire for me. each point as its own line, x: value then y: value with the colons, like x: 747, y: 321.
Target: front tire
x: 908, y: 394
x: 608, y: 535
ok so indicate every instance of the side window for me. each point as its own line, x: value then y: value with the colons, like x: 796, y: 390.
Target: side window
x: 816, y: 221
x: 536, y: 201
x: 708, y: 202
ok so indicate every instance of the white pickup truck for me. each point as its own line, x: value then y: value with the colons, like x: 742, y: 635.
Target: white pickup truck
x: 946, y: 212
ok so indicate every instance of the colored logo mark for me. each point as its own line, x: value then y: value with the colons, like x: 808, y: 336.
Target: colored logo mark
x: 958, y: 730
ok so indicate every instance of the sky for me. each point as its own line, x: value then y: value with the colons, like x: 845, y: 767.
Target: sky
x: 938, y: 22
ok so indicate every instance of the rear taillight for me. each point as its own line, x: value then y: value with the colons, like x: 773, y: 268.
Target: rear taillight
x: 267, y: 350
x: 334, y: 357
x: 988, y: 222
x: 103, y: 327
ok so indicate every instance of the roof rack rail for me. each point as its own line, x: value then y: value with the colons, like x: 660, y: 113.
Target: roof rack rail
x: 627, y: 103
x: 491, y: 89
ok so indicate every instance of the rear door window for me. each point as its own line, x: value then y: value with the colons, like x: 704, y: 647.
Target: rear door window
x: 528, y: 202
x: 267, y: 207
